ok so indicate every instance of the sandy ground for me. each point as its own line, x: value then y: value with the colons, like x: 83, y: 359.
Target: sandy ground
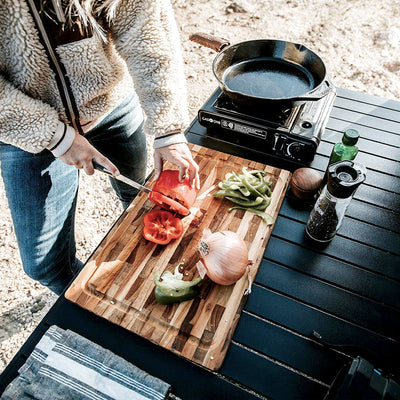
x: 359, y: 41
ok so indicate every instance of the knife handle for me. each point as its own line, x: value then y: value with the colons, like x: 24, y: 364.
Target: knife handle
x: 99, y: 167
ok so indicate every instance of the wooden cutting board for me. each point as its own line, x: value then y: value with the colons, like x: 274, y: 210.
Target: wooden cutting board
x: 117, y: 280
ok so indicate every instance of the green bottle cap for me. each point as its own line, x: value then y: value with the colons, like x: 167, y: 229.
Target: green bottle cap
x: 350, y: 137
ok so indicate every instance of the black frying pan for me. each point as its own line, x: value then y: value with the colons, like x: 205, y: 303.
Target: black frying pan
x: 267, y: 73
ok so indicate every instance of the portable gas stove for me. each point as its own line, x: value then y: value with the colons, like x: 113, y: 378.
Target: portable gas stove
x: 292, y: 134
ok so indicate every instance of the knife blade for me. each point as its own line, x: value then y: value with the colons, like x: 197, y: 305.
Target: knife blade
x: 121, y: 178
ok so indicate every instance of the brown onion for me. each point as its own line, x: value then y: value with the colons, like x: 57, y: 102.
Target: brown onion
x: 224, y: 256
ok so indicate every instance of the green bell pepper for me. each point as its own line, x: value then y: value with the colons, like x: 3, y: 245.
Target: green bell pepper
x: 172, y: 289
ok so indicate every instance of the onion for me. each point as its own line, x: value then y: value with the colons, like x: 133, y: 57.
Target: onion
x: 224, y: 256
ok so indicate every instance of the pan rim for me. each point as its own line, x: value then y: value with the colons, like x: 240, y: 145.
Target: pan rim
x: 299, y: 46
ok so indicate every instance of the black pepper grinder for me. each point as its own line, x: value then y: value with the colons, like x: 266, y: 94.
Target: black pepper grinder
x: 344, y: 177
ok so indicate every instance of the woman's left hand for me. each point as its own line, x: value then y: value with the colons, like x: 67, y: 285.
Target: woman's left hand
x: 180, y: 155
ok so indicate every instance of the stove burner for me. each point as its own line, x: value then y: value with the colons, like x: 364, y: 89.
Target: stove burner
x: 293, y: 134
x: 272, y: 116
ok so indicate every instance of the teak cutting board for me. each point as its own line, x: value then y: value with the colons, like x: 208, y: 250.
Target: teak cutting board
x: 117, y: 281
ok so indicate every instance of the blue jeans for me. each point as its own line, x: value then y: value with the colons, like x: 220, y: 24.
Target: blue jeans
x: 42, y: 193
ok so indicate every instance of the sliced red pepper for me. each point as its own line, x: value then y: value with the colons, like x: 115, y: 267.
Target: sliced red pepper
x: 167, y: 203
x: 171, y: 194
x: 161, y: 227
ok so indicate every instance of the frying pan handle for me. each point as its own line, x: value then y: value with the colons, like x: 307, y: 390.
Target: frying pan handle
x: 317, y: 95
x: 213, y: 42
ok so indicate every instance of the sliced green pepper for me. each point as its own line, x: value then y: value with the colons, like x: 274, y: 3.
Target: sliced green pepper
x: 263, y: 187
x: 230, y: 193
x: 172, y: 289
x: 263, y: 205
x: 268, y: 219
x: 247, y: 203
x: 250, y: 187
x: 259, y: 172
x: 172, y: 283
x: 181, y: 295
x: 249, y: 191
x: 244, y: 191
x: 228, y: 185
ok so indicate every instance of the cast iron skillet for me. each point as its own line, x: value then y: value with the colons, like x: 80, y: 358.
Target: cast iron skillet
x: 267, y: 73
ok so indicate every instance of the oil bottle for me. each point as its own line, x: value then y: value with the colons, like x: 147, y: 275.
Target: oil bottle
x: 344, y: 150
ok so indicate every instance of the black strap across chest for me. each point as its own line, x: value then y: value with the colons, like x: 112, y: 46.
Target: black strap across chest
x: 52, y: 34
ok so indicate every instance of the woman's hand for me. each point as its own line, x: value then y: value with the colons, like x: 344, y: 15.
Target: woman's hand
x: 82, y: 153
x: 180, y: 155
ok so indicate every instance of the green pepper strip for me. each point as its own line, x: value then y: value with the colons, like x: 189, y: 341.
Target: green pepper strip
x: 262, y: 187
x: 255, y: 177
x: 234, y: 186
x: 263, y: 206
x: 260, y: 176
x: 255, y: 171
x: 250, y: 187
x: 234, y: 177
x: 244, y: 191
x: 268, y: 219
x: 248, y: 203
x: 228, y: 185
x: 230, y: 193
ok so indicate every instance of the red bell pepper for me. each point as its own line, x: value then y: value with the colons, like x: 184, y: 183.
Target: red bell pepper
x: 161, y: 227
x: 171, y: 194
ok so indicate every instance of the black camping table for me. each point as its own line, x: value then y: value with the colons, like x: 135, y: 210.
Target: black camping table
x: 347, y: 291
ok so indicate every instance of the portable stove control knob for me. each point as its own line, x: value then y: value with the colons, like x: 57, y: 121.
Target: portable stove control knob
x: 296, y: 150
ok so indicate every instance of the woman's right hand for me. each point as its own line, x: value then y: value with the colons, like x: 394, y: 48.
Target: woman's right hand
x: 81, y: 154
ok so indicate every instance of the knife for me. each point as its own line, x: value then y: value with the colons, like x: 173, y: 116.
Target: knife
x: 121, y: 178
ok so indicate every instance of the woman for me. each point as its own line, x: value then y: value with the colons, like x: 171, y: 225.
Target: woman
x: 119, y: 57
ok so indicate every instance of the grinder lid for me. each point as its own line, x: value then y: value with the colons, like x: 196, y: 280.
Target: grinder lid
x: 344, y: 177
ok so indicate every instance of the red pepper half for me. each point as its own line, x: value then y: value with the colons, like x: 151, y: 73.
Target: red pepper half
x: 171, y: 194
x: 161, y: 227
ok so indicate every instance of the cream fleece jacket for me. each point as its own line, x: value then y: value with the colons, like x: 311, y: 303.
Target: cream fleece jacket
x: 143, y: 52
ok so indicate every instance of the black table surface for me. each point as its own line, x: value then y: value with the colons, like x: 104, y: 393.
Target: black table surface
x: 348, y: 290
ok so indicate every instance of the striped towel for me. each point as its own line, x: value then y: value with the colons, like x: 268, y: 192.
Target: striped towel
x: 65, y: 365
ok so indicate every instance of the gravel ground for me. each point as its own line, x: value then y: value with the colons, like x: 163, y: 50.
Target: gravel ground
x: 359, y: 41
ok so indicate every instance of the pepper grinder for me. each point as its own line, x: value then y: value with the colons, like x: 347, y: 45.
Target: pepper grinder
x: 344, y: 177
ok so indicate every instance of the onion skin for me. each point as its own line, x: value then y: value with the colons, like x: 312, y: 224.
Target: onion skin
x: 224, y: 256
